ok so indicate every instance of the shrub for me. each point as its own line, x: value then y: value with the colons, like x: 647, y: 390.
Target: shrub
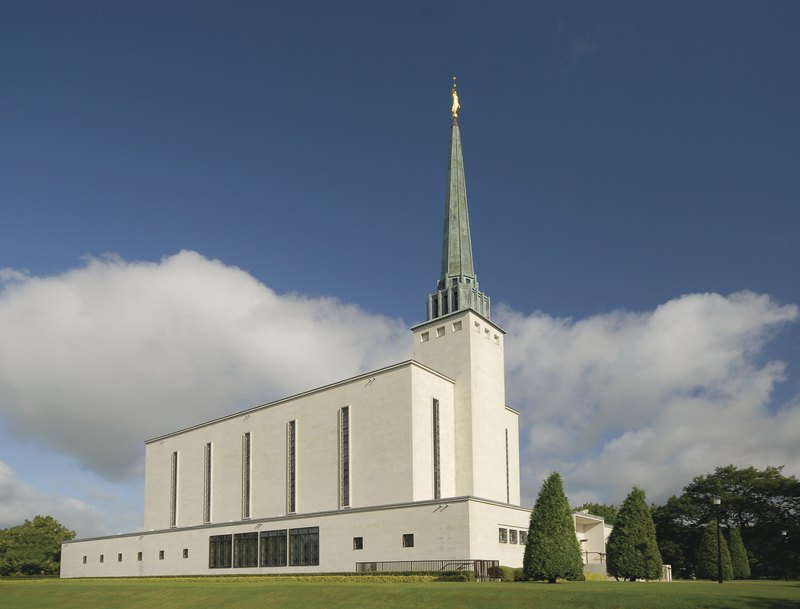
x: 739, y: 562
x: 519, y: 575
x: 595, y: 577
x: 506, y: 574
x: 632, y: 548
x: 552, y: 550
x: 707, y: 555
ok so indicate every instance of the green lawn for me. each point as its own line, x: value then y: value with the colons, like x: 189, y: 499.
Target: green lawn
x: 176, y: 594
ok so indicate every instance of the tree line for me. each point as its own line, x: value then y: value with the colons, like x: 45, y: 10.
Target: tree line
x: 33, y: 548
x: 758, y: 517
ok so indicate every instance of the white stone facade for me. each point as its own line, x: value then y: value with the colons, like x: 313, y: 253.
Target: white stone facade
x: 428, y: 448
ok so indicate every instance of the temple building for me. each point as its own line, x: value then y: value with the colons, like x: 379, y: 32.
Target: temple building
x: 414, y: 462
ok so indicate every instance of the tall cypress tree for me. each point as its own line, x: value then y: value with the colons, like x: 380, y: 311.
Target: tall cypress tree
x: 739, y: 561
x: 632, y: 551
x: 707, y: 555
x: 552, y: 550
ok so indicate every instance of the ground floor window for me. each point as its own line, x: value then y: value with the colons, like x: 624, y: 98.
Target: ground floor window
x: 503, y: 535
x: 245, y: 550
x: 304, y: 546
x: 512, y: 536
x: 219, y: 551
x: 273, y: 548
x: 523, y: 537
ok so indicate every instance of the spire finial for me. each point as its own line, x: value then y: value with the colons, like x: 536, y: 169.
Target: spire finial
x: 456, y: 105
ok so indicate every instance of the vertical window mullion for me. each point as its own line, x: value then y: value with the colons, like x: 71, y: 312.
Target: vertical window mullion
x: 291, y: 465
x: 173, y: 492
x: 207, y: 485
x: 508, y: 479
x: 246, y: 475
x: 437, y: 476
x: 344, y: 457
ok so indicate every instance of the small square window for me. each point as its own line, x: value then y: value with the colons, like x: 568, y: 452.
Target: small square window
x: 161, y: 555
x: 119, y: 557
x: 456, y: 326
x: 358, y: 543
x: 408, y: 540
x: 101, y: 558
x: 84, y: 560
x: 512, y: 536
x: 503, y: 535
x: 440, y: 331
x: 523, y: 537
x: 424, y: 337
x: 139, y: 556
x: 186, y: 552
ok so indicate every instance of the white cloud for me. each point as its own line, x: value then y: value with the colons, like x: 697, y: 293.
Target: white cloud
x: 99, y: 358
x: 650, y: 399
x: 20, y: 501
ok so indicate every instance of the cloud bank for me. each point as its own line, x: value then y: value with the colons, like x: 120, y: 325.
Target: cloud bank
x: 649, y: 399
x: 97, y: 359
x: 100, y: 358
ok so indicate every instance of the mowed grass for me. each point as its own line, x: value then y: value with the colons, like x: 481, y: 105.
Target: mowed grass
x: 177, y: 594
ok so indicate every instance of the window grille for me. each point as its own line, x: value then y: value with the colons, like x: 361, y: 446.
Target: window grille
x: 408, y: 540
x: 207, y: 486
x: 246, y: 475
x: 523, y: 537
x: 437, y: 477
x: 512, y: 536
x: 274, y: 548
x: 173, y: 492
x: 304, y: 546
x: 291, y: 464
x: 344, y: 456
x: 358, y: 543
x: 219, y: 551
x: 503, y: 535
x: 245, y: 550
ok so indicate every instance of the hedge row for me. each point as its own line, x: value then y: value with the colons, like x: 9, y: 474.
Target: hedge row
x: 367, y: 577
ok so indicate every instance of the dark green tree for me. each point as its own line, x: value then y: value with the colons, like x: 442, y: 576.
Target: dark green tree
x: 739, y: 561
x: 552, y: 550
x: 606, y: 512
x: 707, y: 555
x: 33, y: 548
x: 632, y: 551
x: 760, y: 503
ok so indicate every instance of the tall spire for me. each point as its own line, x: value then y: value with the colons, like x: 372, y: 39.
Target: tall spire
x: 458, y: 285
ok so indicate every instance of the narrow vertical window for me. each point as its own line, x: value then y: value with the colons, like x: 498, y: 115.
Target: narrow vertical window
x: 344, y: 457
x: 508, y: 479
x: 173, y: 492
x: 207, y: 485
x: 455, y: 300
x: 246, y: 475
x: 437, y: 477
x: 291, y: 465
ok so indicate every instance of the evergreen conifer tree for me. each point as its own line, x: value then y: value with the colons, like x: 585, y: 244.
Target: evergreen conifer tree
x: 632, y: 551
x: 739, y: 561
x: 707, y: 555
x: 552, y: 550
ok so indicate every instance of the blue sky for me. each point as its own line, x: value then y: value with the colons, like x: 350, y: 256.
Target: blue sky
x: 632, y: 174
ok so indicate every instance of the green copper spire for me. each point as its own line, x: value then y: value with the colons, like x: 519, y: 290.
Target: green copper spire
x: 458, y: 285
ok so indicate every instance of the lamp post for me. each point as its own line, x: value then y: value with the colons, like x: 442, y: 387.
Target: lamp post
x: 785, y: 535
x: 717, y: 502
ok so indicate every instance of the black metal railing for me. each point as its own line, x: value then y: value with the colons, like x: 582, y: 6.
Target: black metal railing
x: 484, y: 570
